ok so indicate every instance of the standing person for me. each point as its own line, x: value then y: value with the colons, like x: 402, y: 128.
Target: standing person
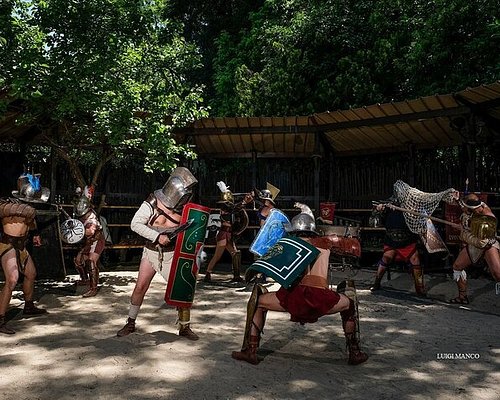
x: 400, y: 244
x: 18, y: 218
x: 479, y: 242
x: 156, y: 220
x: 225, y: 236
x: 87, y: 259
x: 307, y: 300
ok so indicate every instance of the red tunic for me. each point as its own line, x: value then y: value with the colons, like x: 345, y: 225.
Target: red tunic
x: 307, y: 303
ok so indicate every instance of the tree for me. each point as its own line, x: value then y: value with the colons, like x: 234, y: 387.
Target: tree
x: 102, y: 78
x: 307, y: 56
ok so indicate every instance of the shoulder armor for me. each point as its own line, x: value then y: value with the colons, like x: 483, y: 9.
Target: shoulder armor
x: 16, y: 208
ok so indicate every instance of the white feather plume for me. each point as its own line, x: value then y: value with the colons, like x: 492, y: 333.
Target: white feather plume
x: 222, y: 186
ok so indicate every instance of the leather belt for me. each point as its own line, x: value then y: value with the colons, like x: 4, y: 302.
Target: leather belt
x: 314, y: 281
x: 157, y: 247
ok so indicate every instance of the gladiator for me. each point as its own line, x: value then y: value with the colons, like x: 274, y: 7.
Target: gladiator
x: 18, y: 218
x: 307, y: 299
x: 479, y: 242
x: 157, y: 220
x: 400, y: 244
x: 225, y: 236
x: 87, y: 259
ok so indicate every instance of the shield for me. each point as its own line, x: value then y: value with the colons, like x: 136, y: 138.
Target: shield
x: 72, y: 231
x: 214, y: 224
x: 240, y: 222
x: 483, y: 226
x: 182, y: 279
x: 286, y: 260
x: 272, y: 230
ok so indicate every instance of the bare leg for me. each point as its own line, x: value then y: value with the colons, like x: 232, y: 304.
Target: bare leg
x: 492, y: 257
x: 146, y: 274
x: 9, y: 266
x: 219, y: 251
x: 462, y: 261
x: 28, y: 288
x: 384, y: 262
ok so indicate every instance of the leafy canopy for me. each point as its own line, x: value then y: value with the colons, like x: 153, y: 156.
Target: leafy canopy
x: 114, y: 74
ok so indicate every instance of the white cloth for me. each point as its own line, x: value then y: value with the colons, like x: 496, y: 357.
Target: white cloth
x: 162, y: 268
x: 140, y: 223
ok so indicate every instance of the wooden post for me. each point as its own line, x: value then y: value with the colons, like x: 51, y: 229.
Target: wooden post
x: 254, y: 169
x: 316, y: 163
x: 411, y: 164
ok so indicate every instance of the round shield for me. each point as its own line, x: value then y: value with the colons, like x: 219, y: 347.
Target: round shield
x: 240, y: 222
x: 72, y: 231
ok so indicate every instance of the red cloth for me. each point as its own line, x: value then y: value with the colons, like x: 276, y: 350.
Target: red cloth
x: 221, y: 235
x: 404, y: 253
x: 307, y: 303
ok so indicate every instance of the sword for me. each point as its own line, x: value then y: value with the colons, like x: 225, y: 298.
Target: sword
x: 181, y: 228
x: 171, y: 234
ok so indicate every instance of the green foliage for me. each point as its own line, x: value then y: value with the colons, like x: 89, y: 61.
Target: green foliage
x: 305, y: 56
x: 113, y: 73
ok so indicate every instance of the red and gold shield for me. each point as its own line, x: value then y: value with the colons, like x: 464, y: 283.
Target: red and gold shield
x: 182, y: 279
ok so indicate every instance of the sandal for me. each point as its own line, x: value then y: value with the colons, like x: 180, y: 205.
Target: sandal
x: 459, y: 300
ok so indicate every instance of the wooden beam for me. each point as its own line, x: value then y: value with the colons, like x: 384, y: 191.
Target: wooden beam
x: 314, y: 127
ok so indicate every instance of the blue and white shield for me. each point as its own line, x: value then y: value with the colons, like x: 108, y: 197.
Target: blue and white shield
x: 272, y: 231
x: 286, y: 260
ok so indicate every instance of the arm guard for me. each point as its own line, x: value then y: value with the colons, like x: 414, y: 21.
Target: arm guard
x: 338, y: 245
x: 469, y: 238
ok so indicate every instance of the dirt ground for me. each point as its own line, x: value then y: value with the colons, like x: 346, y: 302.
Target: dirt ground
x: 419, y: 348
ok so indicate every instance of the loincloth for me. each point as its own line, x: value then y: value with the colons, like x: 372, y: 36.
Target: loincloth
x: 307, y: 303
x: 224, y: 234
x: 8, y: 243
x: 476, y: 254
x: 403, y: 253
x: 163, y: 266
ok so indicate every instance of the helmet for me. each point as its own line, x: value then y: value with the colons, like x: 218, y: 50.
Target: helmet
x: 30, y: 190
x: 178, y: 189
x: 302, y: 222
x: 266, y: 195
x: 82, y: 206
x: 226, y: 198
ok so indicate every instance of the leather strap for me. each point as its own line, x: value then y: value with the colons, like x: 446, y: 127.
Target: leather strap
x: 314, y: 281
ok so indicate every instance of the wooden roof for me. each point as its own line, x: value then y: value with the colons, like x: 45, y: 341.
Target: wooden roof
x: 424, y: 122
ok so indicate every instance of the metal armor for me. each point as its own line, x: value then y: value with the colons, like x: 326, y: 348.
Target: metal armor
x: 302, y: 222
x: 178, y: 189
x: 483, y: 226
x: 30, y: 190
x: 82, y: 206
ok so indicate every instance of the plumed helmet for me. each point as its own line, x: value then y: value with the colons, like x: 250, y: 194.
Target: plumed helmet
x: 226, y: 196
x: 178, y: 189
x: 29, y: 189
x: 303, y: 222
